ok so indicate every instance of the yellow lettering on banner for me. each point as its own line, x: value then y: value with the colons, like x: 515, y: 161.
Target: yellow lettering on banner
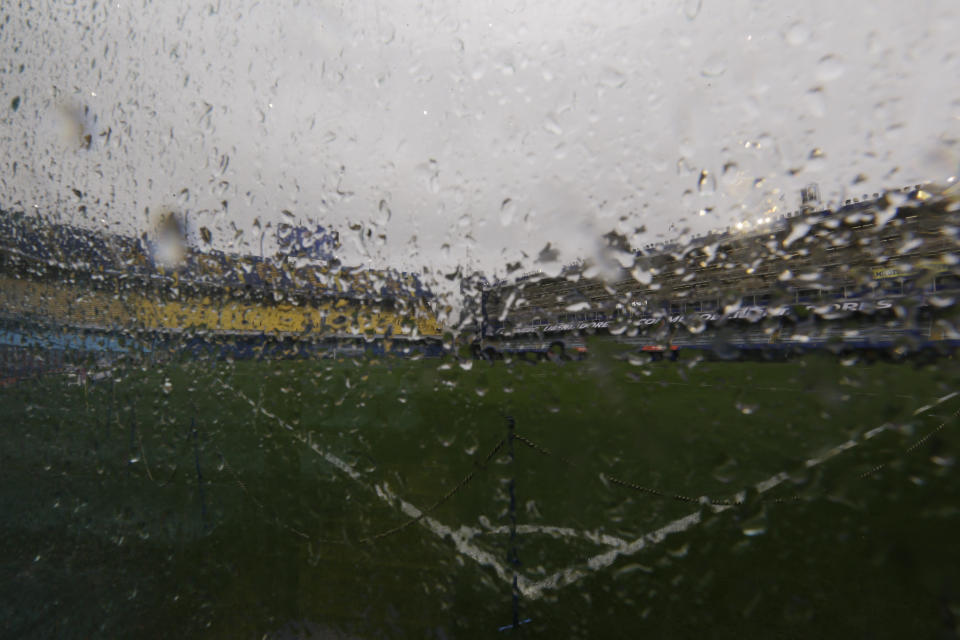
x: 73, y: 305
x: 883, y: 273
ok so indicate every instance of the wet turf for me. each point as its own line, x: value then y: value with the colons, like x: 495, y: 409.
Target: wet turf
x: 237, y: 501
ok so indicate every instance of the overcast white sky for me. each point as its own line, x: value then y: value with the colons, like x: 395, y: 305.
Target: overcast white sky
x: 419, y: 120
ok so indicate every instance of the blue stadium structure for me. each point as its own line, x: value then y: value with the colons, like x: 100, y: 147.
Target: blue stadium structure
x: 66, y: 288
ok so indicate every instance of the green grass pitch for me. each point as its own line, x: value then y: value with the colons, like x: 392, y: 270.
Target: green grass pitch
x: 238, y: 500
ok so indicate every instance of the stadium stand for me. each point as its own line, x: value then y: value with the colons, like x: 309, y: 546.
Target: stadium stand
x: 61, y: 278
x: 879, y: 273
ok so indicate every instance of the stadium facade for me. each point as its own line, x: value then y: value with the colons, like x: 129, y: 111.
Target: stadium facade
x: 63, y: 287
x: 878, y: 273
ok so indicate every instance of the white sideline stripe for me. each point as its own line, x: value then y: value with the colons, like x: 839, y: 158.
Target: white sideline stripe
x: 460, y: 537
x: 568, y: 576
x: 840, y: 448
x: 554, y: 532
x: 931, y: 406
x: 533, y: 590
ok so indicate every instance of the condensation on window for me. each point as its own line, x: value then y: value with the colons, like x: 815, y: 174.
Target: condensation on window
x: 457, y: 320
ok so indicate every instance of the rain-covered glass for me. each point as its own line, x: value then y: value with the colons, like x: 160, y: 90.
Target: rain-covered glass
x: 454, y: 320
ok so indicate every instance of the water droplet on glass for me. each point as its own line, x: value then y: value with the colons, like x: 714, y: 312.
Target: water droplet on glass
x: 642, y: 276
x: 384, y: 213
x: 730, y: 173
x: 507, y: 209
x: 707, y: 184
x: 816, y: 104
x: 613, y: 78
x: 713, y: 67
x: 691, y: 8
x: 829, y: 68
x: 639, y: 360
x: 816, y: 160
x: 746, y: 409
x: 628, y: 569
x: 796, y: 34
x: 753, y: 527
x: 552, y: 126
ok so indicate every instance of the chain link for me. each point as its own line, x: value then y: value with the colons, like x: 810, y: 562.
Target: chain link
x: 916, y: 445
x: 454, y: 491
x: 257, y: 502
x: 625, y: 483
x: 392, y: 530
x: 660, y: 494
x: 383, y: 534
x: 146, y: 465
x: 535, y: 446
x: 723, y: 502
x: 543, y: 450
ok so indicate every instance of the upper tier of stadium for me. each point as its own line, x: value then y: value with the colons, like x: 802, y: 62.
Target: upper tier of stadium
x: 30, y: 243
x: 895, y: 252
x: 74, y: 277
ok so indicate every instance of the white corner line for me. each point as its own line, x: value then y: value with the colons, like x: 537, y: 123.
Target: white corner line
x: 531, y: 589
